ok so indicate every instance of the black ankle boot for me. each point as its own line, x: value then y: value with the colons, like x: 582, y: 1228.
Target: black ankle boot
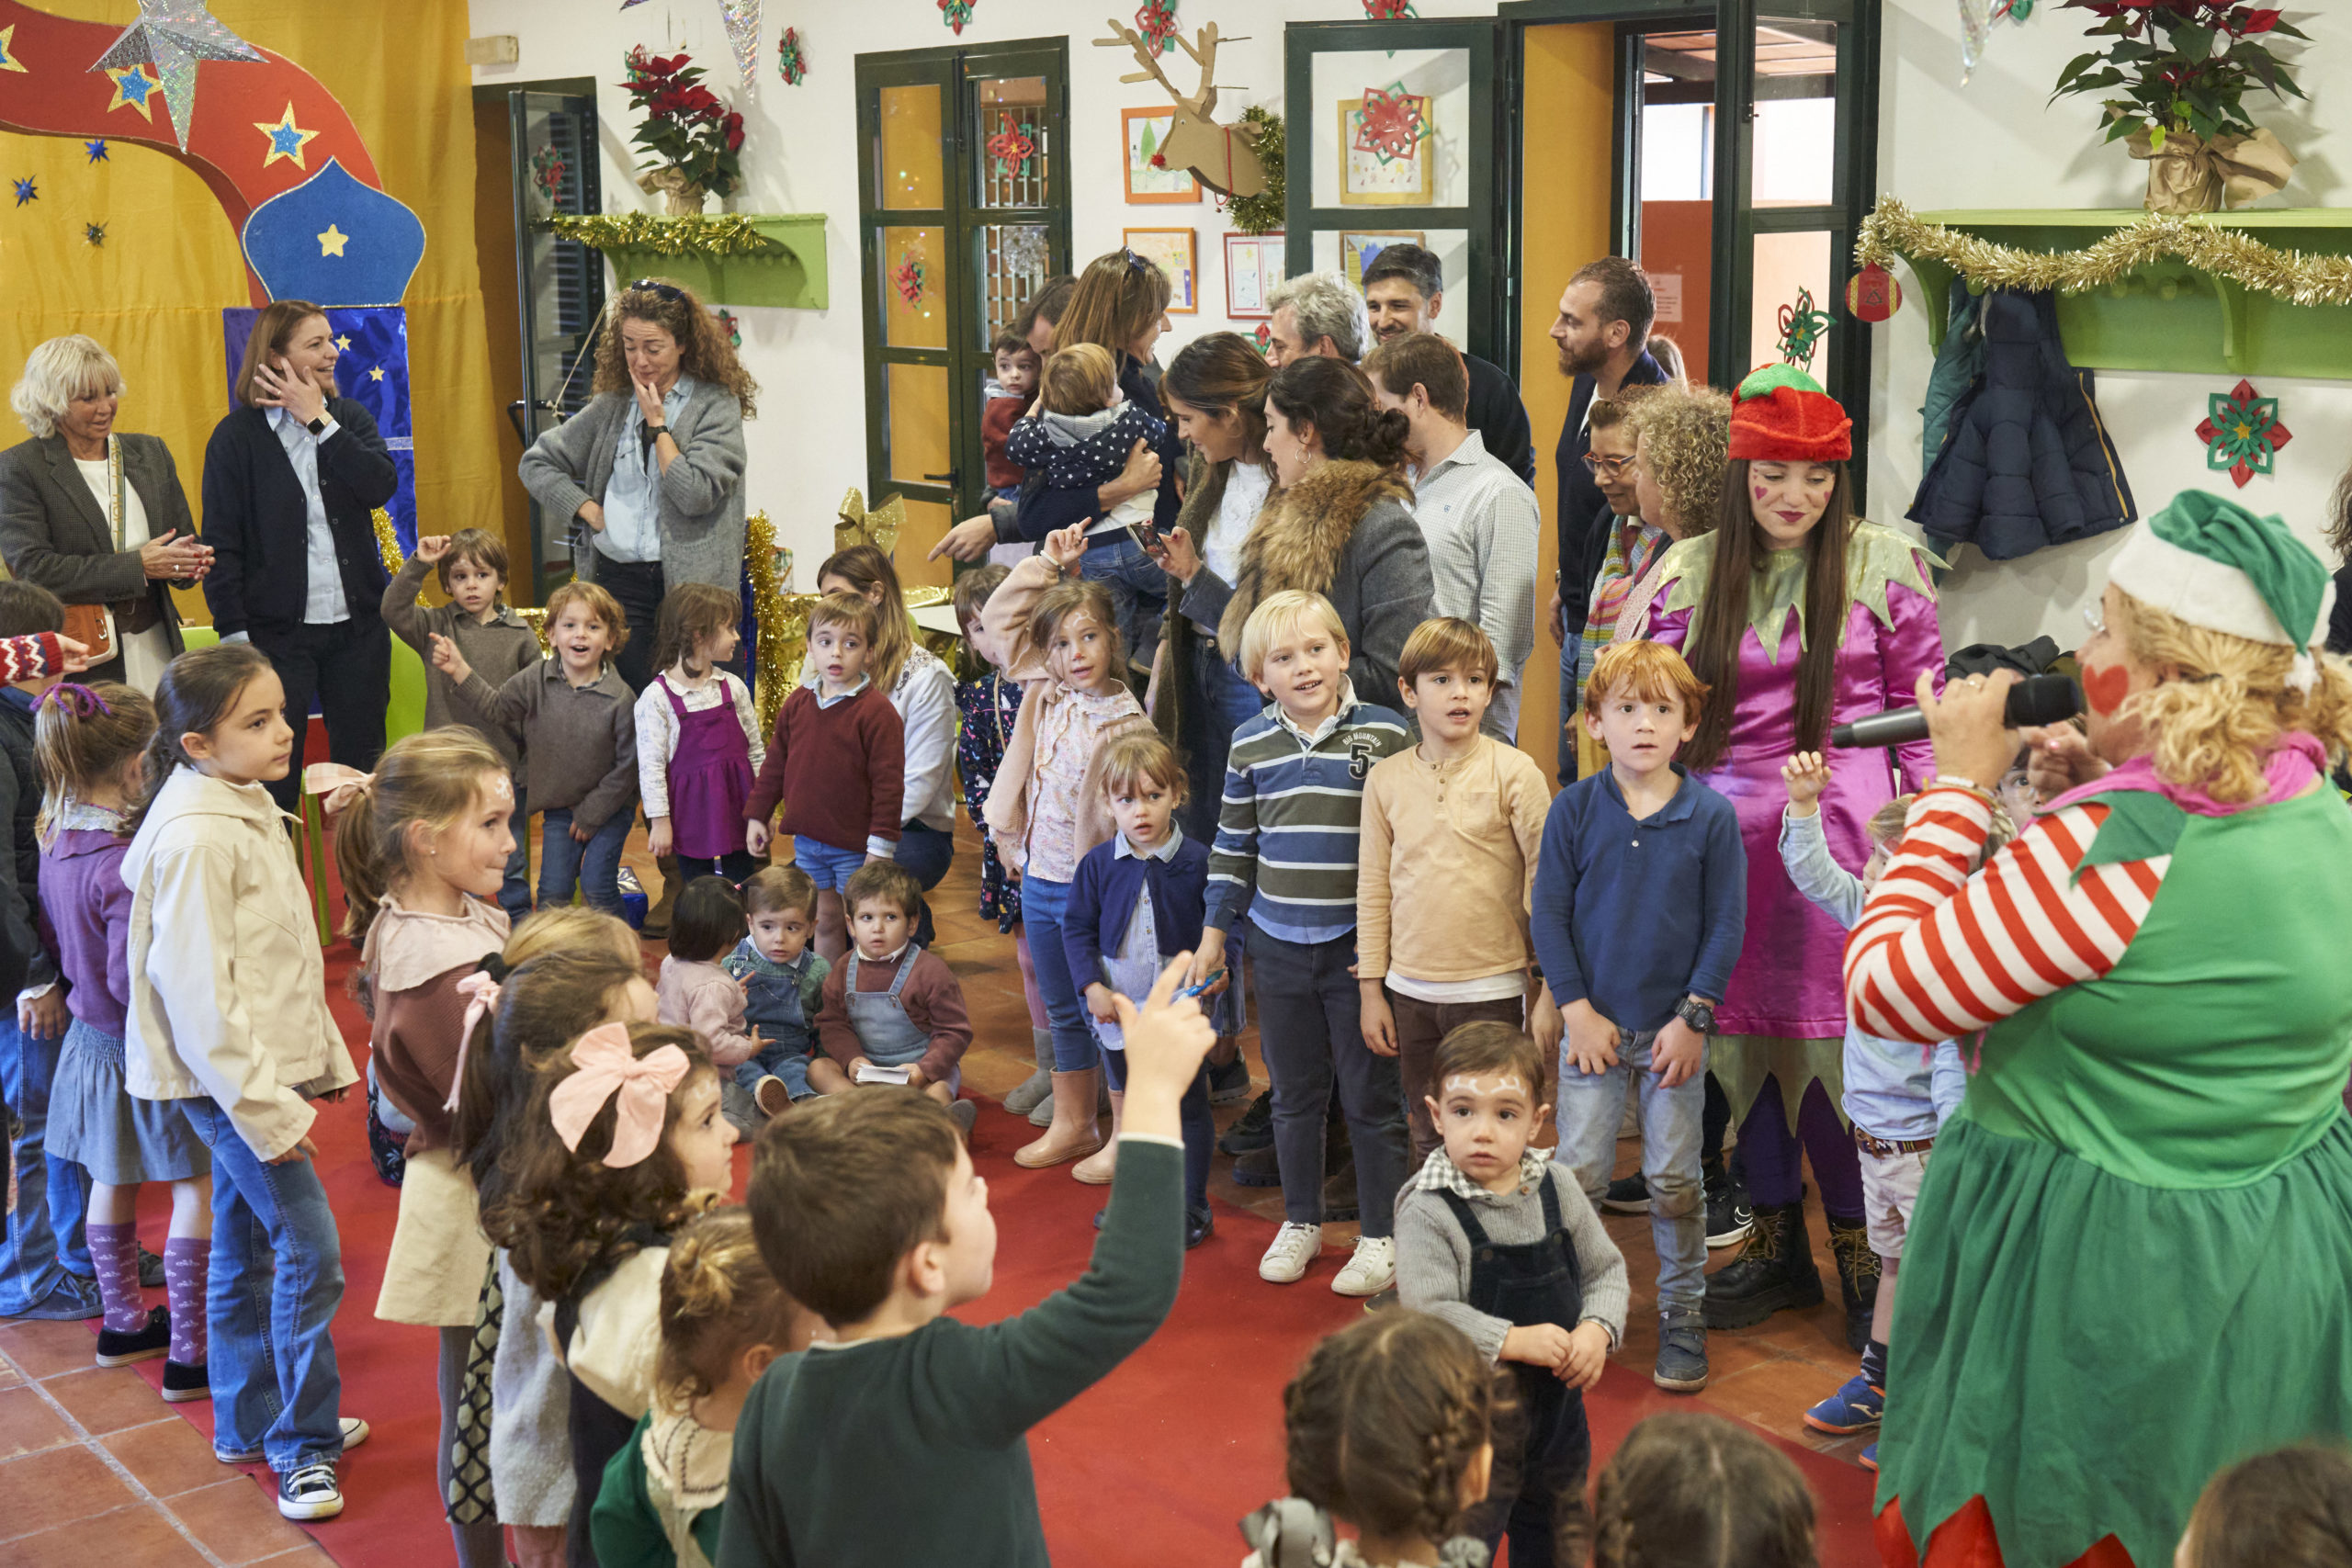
x: 1858, y: 1278
x: 1773, y: 1274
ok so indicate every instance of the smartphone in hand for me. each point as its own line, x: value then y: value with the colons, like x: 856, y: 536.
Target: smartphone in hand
x: 1147, y: 536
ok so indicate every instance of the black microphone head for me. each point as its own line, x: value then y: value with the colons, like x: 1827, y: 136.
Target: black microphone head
x: 2043, y: 699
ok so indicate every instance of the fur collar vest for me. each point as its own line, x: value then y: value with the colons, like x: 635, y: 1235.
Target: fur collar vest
x: 1301, y: 533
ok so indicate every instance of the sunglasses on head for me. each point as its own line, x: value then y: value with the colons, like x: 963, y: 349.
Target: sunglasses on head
x: 670, y: 291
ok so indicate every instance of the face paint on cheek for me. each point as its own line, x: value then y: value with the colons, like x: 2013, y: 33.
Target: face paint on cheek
x: 2106, y: 688
x: 1761, y: 492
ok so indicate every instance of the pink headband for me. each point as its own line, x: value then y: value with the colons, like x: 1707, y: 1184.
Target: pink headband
x: 480, y: 991
x: 336, y: 786
x: 605, y: 1067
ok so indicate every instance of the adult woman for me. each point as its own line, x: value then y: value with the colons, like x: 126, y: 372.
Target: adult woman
x: 291, y: 482
x: 653, y: 467
x: 923, y: 691
x: 96, y: 517
x: 1797, y: 616
x: 2134, y: 1224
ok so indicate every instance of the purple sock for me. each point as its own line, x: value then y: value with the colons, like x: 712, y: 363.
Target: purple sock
x: 186, y: 1267
x: 114, y: 1249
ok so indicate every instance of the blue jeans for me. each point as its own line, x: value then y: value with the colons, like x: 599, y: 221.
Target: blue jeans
x: 515, y: 893
x: 787, y: 1062
x: 1591, y: 1107
x: 1043, y: 905
x: 277, y: 1280
x: 827, y: 867
x: 1139, y: 588
x: 594, y: 867
x: 45, y: 1240
x: 1570, y: 653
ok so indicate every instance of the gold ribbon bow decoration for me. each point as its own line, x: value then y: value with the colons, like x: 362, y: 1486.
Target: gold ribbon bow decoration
x: 2191, y: 174
x: 878, y: 527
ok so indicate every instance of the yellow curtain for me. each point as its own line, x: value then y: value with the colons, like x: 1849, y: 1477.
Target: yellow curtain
x: 153, y: 292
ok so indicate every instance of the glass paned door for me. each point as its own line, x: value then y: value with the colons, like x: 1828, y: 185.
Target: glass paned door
x: 560, y: 284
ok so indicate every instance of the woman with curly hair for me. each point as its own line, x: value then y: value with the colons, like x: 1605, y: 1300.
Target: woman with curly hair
x: 651, y: 473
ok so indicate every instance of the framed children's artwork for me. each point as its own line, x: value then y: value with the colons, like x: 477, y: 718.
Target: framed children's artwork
x: 1253, y: 265
x: 1170, y: 250
x: 1392, y: 167
x: 1144, y: 131
x: 1358, y: 247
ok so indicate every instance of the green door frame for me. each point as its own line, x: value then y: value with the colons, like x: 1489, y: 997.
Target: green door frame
x: 963, y: 223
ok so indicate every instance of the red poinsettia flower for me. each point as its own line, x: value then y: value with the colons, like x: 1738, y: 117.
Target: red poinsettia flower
x: 2260, y: 21
x: 734, y: 128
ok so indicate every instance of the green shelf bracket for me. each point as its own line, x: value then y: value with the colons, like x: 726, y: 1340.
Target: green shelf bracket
x: 2167, y: 315
x: 789, y: 270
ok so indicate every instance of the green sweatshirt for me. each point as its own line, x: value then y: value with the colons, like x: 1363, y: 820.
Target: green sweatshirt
x: 914, y: 1449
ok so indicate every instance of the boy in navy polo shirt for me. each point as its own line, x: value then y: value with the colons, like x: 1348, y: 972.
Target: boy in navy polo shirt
x: 1640, y: 903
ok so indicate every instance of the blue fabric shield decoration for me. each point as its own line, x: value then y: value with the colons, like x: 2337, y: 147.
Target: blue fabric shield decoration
x: 373, y: 373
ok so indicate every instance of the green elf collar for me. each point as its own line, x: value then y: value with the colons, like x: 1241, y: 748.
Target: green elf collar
x: 1875, y: 556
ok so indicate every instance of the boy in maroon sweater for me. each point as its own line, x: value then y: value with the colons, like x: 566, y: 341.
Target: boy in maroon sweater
x: 1010, y: 393
x: 838, y: 761
x: 892, y: 1012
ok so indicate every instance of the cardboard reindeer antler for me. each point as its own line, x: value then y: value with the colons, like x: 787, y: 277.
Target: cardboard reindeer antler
x: 1221, y: 157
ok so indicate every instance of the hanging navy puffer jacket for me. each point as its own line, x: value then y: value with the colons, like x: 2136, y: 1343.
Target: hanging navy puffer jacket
x: 2029, y: 462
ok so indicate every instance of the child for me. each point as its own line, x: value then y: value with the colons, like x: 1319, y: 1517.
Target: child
x: 723, y: 1320
x: 2287, y: 1508
x: 1390, y: 1425
x: 783, y: 979
x: 422, y: 846
x: 622, y: 1145
x: 890, y: 1005
x: 990, y: 708
x: 1641, y: 899
x: 838, y: 760
x: 579, y: 734
x: 1060, y: 640
x: 45, y: 1267
x: 92, y: 744
x: 229, y: 1017
x: 1286, y: 858
x: 1080, y: 440
x: 1499, y: 1242
x: 1135, y: 904
x: 1450, y: 829
x: 695, y: 992
x: 904, y: 1439
x: 471, y: 566
x: 1008, y: 395
x: 1895, y: 1098
x: 697, y: 741
x: 1688, y: 1487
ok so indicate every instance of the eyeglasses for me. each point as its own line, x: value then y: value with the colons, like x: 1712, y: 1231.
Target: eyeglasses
x: 670, y: 291
x: 1606, y: 468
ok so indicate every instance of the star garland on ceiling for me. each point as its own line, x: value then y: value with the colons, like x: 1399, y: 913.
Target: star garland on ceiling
x: 790, y: 59
x: 2241, y: 433
x: 1392, y: 124
x: 173, y: 36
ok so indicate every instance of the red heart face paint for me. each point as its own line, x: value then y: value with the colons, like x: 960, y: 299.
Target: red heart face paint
x: 2106, y: 687
x: 1761, y: 492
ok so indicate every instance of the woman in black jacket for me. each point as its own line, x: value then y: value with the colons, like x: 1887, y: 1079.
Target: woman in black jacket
x: 291, y: 482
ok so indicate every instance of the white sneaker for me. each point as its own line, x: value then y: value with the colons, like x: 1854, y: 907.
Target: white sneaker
x: 1372, y: 1271
x: 1294, y: 1246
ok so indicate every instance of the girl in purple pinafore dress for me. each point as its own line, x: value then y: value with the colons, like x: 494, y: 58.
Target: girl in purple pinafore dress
x: 698, y: 741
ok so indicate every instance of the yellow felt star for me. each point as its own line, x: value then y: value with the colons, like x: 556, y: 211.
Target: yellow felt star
x: 331, y: 243
x: 287, y: 140
x: 377, y: 374
x: 134, y: 89
x: 343, y: 343
x: 8, y: 60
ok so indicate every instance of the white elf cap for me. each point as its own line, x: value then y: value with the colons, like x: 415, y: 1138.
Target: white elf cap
x: 2213, y: 564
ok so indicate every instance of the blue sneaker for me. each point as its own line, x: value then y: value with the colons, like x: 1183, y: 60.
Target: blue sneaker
x: 1850, y: 1409
x: 1868, y: 1459
x: 1681, y: 1353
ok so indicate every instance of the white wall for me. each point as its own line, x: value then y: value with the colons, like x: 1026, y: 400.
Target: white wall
x: 1989, y: 144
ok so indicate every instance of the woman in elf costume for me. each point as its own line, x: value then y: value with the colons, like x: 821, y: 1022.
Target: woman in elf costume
x: 2132, y: 1262
x: 1798, y: 615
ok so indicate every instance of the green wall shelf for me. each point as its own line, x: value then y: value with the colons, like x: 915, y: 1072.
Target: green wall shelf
x: 2167, y: 315
x: 789, y: 270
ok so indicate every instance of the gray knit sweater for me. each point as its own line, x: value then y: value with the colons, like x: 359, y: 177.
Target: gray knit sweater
x: 701, y: 515
x: 1433, y: 1255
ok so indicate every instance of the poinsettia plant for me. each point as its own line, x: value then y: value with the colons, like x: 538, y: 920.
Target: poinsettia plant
x: 2179, y: 66
x: 687, y: 126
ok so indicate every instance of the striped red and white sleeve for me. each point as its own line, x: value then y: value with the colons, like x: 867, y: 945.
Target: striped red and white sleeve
x: 28, y: 658
x: 1944, y: 947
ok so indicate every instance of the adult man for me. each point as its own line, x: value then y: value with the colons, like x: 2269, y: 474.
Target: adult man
x: 1317, y: 312
x: 1480, y: 519
x: 1603, y: 324
x: 1404, y: 289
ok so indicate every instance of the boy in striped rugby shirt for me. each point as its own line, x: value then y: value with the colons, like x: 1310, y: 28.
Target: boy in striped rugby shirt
x: 1286, y: 857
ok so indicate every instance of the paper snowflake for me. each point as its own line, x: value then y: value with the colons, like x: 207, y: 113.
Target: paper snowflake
x: 1801, y: 330
x: 1391, y: 125
x: 1155, y: 21
x: 907, y: 277
x: 790, y: 59
x: 2242, y: 434
x: 956, y: 12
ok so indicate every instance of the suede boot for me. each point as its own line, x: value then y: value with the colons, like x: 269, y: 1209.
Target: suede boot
x: 1858, y: 1278
x: 657, y: 918
x: 1074, y: 1133
x: 1776, y: 1272
x: 1037, y: 1088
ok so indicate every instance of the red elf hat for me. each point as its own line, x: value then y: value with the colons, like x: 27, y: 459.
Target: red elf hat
x: 1781, y: 414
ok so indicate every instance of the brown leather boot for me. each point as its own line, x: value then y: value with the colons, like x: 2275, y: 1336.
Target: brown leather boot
x: 657, y: 917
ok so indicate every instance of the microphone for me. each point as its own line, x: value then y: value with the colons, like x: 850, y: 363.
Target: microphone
x: 2037, y: 699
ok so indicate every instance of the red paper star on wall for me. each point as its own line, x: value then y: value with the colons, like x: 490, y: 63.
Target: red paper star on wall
x: 2242, y: 434
x: 1392, y: 124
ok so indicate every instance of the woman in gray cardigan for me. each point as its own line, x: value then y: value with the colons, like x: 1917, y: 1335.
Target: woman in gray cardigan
x: 651, y: 473
x: 66, y: 523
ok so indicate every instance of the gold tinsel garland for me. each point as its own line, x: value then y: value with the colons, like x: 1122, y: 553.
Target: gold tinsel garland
x: 703, y: 234
x: 388, y: 543
x: 2228, y: 254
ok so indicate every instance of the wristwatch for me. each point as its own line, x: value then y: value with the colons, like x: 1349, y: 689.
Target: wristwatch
x: 657, y: 431
x: 1699, y: 1015
x: 317, y: 426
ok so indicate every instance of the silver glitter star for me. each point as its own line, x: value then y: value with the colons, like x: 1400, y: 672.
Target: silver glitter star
x: 172, y: 36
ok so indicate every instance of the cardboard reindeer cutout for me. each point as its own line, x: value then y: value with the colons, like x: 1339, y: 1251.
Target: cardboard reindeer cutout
x: 1222, y: 157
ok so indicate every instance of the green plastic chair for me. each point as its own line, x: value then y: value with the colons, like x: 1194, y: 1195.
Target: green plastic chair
x: 404, y: 716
